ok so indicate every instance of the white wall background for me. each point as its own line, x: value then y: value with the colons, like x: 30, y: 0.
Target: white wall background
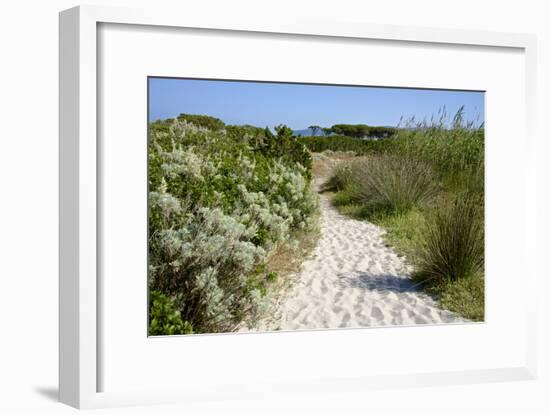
x: 28, y: 204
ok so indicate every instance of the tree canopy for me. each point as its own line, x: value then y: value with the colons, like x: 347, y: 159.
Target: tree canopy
x: 362, y: 131
x: 314, y: 129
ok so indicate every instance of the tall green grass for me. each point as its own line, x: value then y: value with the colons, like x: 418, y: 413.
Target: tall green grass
x: 390, y: 184
x: 407, y: 233
x: 382, y: 184
x: 454, y: 147
x: 425, y: 186
x: 340, y: 178
x: 453, y: 242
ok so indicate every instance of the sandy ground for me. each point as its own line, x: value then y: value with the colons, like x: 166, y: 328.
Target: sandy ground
x: 354, y: 280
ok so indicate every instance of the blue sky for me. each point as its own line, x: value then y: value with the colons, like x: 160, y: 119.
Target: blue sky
x: 301, y: 105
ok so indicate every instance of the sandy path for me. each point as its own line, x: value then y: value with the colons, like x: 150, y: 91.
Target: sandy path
x: 354, y: 280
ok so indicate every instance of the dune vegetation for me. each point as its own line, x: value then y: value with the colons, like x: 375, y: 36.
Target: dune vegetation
x: 234, y: 210
x: 224, y: 201
x: 425, y: 187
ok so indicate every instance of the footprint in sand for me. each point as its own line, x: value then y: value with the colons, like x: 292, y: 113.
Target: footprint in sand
x: 377, y: 314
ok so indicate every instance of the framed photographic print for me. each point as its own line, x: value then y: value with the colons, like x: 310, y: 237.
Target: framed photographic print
x: 280, y: 228
x: 235, y: 222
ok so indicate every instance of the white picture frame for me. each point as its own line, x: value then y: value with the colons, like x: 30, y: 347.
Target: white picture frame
x: 78, y: 309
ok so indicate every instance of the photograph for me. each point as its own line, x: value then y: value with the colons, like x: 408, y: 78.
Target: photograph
x: 281, y: 206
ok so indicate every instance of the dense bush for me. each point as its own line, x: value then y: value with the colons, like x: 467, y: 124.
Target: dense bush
x: 219, y: 202
x: 164, y: 318
x: 206, y: 121
x: 362, y: 131
x: 340, y: 143
x: 286, y: 147
x: 453, y: 241
x: 248, y: 134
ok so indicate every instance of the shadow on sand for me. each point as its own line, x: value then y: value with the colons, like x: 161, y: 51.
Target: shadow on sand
x: 380, y: 282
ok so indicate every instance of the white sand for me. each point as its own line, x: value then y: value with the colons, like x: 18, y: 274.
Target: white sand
x: 354, y: 280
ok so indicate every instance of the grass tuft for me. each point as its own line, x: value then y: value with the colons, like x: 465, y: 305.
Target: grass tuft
x: 453, y: 241
x: 393, y: 185
x: 340, y: 178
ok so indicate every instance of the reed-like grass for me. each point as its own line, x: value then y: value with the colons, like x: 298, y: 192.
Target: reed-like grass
x: 425, y: 187
x: 390, y: 184
x: 406, y: 233
x: 453, y: 241
x: 453, y: 147
x: 339, y: 179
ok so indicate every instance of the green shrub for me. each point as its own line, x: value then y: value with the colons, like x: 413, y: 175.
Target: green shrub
x: 206, y: 259
x: 205, y: 121
x: 453, y: 241
x: 272, y: 276
x: 284, y: 146
x: 341, y: 144
x: 253, y: 136
x: 219, y: 202
x: 390, y: 184
x: 165, y: 319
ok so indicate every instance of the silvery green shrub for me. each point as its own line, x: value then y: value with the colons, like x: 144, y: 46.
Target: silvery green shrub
x: 218, y: 205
